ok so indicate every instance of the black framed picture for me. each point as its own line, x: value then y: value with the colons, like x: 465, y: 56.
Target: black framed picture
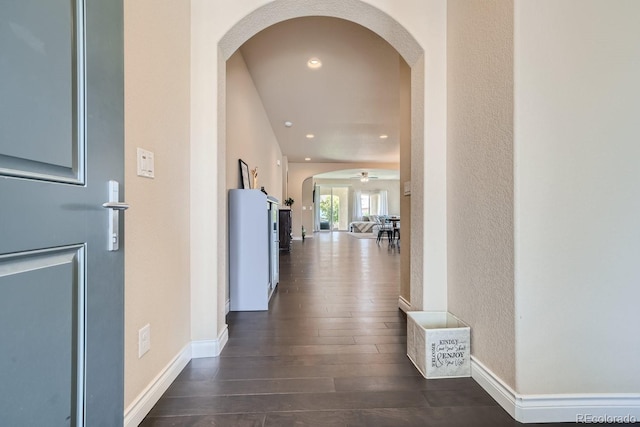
x: 244, y: 174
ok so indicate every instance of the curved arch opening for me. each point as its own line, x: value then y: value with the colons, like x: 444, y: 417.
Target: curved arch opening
x: 270, y: 14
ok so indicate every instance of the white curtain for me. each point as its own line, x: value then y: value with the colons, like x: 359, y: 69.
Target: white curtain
x: 357, y: 206
x: 383, y: 208
x: 316, y: 208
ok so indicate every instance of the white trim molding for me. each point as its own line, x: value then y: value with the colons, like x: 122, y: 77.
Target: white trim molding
x: 210, y: 348
x: 143, y: 403
x: 497, y: 389
x: 558, y: 408
x: 403, y: 304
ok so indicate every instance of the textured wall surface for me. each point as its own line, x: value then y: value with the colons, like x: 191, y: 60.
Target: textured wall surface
x: 405, y: 175
x: 249, y: 133
x: 480, y: 178
x: 577, y: 196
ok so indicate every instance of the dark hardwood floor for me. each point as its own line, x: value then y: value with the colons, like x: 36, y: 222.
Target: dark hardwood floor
x: 331, y: 351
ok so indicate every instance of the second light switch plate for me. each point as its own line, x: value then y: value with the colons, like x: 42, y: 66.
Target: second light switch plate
x: 145, y: 163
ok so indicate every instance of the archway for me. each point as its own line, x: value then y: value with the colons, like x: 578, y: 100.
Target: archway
x: 354, y: 11
x: 210, y: 204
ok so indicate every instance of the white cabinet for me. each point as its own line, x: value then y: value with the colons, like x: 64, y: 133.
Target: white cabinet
x: 253, y: 238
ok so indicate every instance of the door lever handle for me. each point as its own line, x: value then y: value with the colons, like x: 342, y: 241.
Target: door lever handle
x: 118, y: 206
x: 114, y: 206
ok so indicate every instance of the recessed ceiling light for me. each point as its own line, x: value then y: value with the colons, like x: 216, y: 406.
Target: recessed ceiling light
x: 310, y: 136
x: 307, y: 158
x: 288, y: 124
x: 314, y: 63
x: 384, y: 136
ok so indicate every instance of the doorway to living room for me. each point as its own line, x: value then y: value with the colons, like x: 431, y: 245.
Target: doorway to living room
x: 332, y: 208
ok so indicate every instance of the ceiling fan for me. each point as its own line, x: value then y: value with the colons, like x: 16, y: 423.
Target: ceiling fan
x: 364, y: 177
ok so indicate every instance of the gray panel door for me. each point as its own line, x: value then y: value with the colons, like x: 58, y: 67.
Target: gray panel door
x: 61, y: 141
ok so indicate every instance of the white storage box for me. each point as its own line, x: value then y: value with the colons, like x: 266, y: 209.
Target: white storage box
x: 439, y: 344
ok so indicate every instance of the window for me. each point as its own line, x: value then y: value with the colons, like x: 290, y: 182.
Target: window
x: 371, y: 204
x: 364, y: 201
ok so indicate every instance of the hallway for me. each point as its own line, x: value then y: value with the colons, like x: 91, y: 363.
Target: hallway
x: 330, y: 352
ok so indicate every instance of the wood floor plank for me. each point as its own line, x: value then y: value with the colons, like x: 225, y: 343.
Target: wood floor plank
x: 257, y: 403
x: 252, y: 386
x: 331, y: 351
x: 416, y: 383
x: 394, y: 417
x: 311, y: 360
x: 379, y: 339
x: 360, y: 332
x: 336, y: 370
x: 219, y: 420
x: 459, y: 397
x: 298, y: 340
x: 400, y: 348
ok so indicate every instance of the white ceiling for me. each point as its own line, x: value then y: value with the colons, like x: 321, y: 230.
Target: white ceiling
x: 347, y: 103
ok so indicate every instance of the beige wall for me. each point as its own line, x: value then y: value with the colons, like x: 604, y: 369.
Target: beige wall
x: 285, y: 177
x: 577, y: 196
x: 157, y: 67
x: 480, y: 177
x: 405, y: 175
x: 543, y: 191
x: 249, y: 133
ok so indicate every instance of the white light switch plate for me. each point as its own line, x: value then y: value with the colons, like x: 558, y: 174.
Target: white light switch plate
x: 146, y: 166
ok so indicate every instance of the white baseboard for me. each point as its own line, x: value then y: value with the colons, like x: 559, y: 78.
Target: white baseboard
x: 497, y: 389
x: 210, y: 348
x: 227, y: 307
x: 552, y: 408
x: 141, y: 406
x: 403, y: 304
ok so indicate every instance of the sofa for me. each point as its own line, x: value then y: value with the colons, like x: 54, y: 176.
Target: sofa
x: 369, y: 224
